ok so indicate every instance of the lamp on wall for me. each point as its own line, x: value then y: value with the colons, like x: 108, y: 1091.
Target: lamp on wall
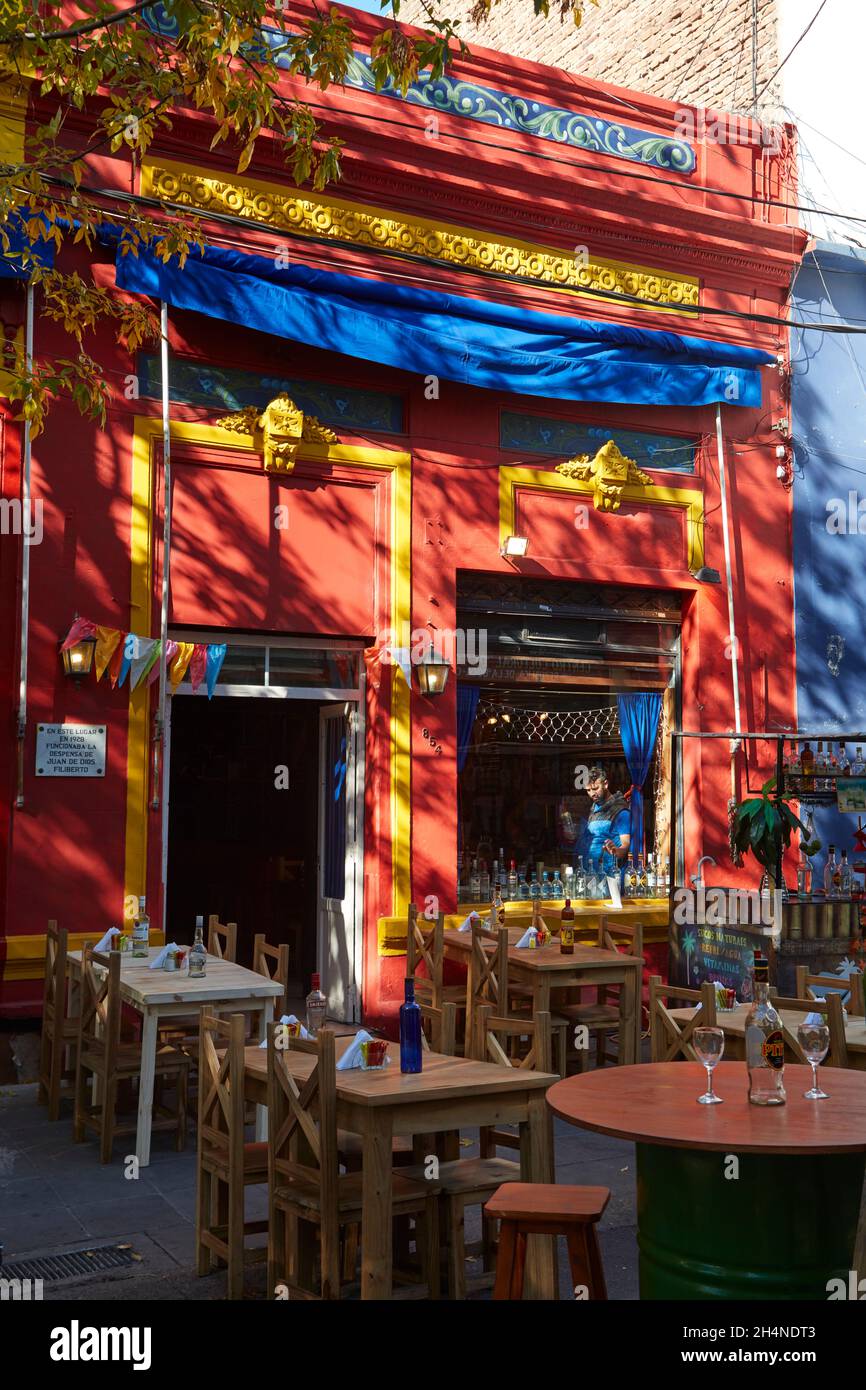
x: 514, y: 547
x: 77, y: 658
x: 432, y: 674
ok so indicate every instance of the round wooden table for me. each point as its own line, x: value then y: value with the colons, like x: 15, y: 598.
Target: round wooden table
x: 735, y: 1201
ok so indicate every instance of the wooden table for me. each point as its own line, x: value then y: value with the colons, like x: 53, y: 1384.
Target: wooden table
x: 162, y: 994
x: 546, y: 968
x: 735, y: 1201
x: 451, y: 1093
x: 733, y: 1025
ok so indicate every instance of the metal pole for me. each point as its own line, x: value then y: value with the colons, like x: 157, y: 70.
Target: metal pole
x: 732, y: 632
x: 166, y: 554
x: 26, y: 507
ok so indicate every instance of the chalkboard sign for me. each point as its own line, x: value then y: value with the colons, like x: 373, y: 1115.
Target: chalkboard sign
x: 722, y: 952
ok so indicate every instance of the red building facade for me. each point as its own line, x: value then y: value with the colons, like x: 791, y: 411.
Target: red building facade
x: 390, y: 521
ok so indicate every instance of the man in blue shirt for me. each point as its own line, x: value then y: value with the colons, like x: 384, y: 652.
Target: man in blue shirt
x: 608, y: 829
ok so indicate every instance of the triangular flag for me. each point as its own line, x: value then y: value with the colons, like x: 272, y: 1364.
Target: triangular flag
x: 402, y: 657
x: 170, y: 654
x: 198, y: 665
x: 130, y: 652
x: 116, y: 661
x: 81, y: 628
x: 107, y: 640
x: 216, y: 655
x: 182, y: 659
x: 148, y: 647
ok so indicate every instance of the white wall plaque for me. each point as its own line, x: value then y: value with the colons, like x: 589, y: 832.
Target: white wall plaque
x: 70, y: 750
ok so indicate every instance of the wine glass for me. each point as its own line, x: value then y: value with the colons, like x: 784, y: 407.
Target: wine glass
x: 709, y: 1045
x: 814, y: 1039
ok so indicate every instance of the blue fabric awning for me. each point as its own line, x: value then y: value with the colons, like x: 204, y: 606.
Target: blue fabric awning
x: 13, y: 265
x: 499, y: 347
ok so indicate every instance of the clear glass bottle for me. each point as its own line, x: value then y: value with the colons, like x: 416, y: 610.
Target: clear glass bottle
x: 765, y: 1044
x: 534, y: 889
x: 842, y: 761
x: 650, y: 877
x: 580, y: 879
x: 807, y: 765
x: 197, y: 959
x: 410, y: 1030
x: 513, y: 882
x: 474, y: 883
x: 845, y: 880
x: 544, y: 891
x: 317, y: 1006
x: 484, y: 883
x: 667, y: 876
x: 140, y: 931
x: 523, y: 889
x: 832, y: 875
x: 858, y: 767
x: 557, y: 892
x: 820, y: 768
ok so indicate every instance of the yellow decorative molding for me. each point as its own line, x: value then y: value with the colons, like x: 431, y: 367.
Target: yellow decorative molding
x: 25, y: 955
x: 13, y: 113
x: 361, y: 225
x: 148, y: 432
x: 689, y: 500
x: 610, y: 471
x: 278, y: 431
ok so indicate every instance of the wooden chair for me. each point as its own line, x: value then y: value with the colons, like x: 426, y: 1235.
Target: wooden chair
x: 305, y: 1183
x: 467, y: 1182
x: 546, y: 1209
x: 671, y: 1037
x: 425, y: 947
x: 111, y: 1059
x: 439, y: 1029
x: 830, y: 1009
x: 59, y: 1025
x: 226, y: 1164
x: 273, y: 963
x: 487, y: 983
x: 222, y: 941
x: 601, y: 1018
x: 850, y: 985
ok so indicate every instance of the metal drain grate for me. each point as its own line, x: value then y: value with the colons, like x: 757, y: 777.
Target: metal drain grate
x: 70, y: 1265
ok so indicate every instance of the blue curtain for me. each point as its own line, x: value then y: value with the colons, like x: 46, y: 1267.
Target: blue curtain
x: 502, y: 347
x: 638, y: 723
x: 467, y: 704
x: 334, y: 876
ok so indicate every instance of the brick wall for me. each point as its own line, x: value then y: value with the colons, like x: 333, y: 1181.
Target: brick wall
x: 698, y: 52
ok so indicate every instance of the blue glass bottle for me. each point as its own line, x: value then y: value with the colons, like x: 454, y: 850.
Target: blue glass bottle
x: 410, y: 1031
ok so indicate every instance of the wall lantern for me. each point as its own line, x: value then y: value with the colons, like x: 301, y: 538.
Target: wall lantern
x: 514, y: 547
x: 78, y: 659
x: 432, y: 674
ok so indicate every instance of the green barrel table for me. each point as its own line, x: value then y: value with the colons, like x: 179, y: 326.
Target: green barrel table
x: 734, y: 1201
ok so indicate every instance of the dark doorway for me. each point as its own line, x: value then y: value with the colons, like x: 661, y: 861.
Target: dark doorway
x: 238, y: 846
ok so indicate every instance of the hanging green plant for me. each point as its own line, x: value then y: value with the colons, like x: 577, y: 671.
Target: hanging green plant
x: 764, y: 824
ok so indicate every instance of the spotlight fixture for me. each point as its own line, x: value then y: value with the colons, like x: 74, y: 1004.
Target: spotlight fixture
x: 514, y: 547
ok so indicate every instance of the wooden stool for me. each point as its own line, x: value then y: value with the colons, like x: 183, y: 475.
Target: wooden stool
x: 545, y: 1209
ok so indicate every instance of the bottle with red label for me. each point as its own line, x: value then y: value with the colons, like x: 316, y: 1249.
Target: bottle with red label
x: 765, y: 1044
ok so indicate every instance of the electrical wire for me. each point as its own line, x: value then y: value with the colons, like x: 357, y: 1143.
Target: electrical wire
x: 790, y: 53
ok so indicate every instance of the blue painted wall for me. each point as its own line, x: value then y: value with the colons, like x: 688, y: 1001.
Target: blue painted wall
x: 828, y: 412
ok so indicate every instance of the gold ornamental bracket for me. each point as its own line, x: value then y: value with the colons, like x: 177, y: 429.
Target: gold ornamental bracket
x: 609, y: 472
x: 278, y: 431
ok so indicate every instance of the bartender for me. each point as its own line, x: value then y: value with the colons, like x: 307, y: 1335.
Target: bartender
x: 608, y: 829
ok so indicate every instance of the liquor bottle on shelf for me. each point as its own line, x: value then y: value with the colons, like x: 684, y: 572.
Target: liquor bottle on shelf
x: 820, y: 768
x: 557, y: 892
x: 807, y: 764
x: 845, y: 879
x: 580, y: 879
x: 832, y: 875
x: 317, y: 1006
x: 544, y: 892
x: 513, y: 882
x: 642, y: 886
x: 523, y: 888
x: 410, y: 1030
x: 630, y: 881
x: 484, y: 882
x: 197, y: 958
x: 498, y: 909
x: 566, y: 929
x: 502, y: 863
x: 651, y: 883
x: 843, y: 763
x: 795, y: 768
x: 765, y: 1044
x: 568, y: 883
x: 858, y: 767
x: 832, y: 768
x: 140, y: 930
x: 474, y: 883
x: 534, y: 889
x: 667, y: 876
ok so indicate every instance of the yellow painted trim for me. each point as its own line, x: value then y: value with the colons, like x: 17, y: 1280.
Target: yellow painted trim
x: 25, y: 955
x: 13, y: 116
x: 690, y: 500
x: 361, y: 224
x: 654, y: 915
x: 148, y: 429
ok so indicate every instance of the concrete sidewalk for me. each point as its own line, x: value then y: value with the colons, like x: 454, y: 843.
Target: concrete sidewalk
x: 55, y: 1197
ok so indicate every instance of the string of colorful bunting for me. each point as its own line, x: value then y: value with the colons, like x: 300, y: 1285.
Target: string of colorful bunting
x: 124, y: 654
